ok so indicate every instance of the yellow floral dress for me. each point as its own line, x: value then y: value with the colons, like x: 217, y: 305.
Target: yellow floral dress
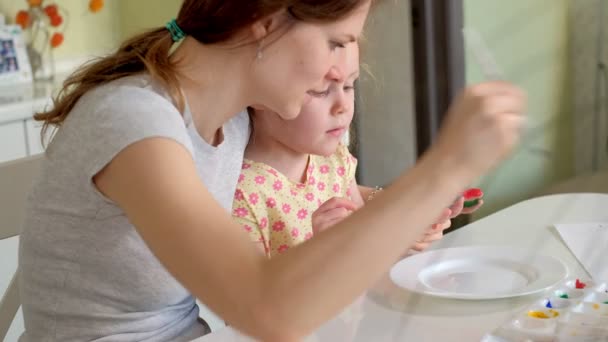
x: 276, y: 211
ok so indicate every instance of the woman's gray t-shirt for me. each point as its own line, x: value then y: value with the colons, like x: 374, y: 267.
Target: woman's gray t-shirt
x: 86, y: 274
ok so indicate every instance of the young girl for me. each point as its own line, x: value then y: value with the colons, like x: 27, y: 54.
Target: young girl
x: 298, y: 178
x: 130, y: 218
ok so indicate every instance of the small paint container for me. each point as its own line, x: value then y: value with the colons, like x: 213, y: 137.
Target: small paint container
x: 558, y: 304
x: 579, y: 284
x: 601, y: 288
x: 596, y: 297
x: 567, y: 292
x: 532, y: 323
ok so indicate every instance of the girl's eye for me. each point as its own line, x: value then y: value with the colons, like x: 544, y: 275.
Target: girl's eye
x: 315, y: 93
x: 349, y: 88
x: 336, y: 45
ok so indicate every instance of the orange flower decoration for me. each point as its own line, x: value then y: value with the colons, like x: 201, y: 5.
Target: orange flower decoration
x: 23, y: 19
x: 56, y: 20
x: 96, y: 5
x: 53, y: 14
x: 34, y: 3
x: 51, y: 10
x: 56, y: 39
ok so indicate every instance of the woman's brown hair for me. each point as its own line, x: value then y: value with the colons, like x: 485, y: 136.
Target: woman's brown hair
x: 207, y: 21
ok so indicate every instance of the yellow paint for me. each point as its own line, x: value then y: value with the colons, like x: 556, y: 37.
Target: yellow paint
x: 542, y: 314
x: 537, y: 314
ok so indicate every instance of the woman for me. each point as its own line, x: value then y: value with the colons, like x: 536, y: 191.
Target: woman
x: 129, y: 220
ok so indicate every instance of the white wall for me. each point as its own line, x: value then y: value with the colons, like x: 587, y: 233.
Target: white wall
x: 386, y: 118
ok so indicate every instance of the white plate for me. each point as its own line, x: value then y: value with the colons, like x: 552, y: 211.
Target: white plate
x: 489, y: 272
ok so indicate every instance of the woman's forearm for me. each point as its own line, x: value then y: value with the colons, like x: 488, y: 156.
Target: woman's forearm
x: 327, y: 273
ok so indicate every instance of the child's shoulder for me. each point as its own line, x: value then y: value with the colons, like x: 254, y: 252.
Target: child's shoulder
x: 257, y: 176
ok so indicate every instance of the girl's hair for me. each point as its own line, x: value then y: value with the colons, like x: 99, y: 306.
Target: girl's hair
x: 207, y: 21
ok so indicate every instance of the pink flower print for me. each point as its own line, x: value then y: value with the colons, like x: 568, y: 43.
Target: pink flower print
x: 272, y: 172
x: 238, y: 195
x: 263, y: 223
x: 246, y: 166
x: 278, y: 185
x: 260, y: 180
x: 341, y: 171
x: 293, y: 192
x: 308, y: 236
x: 336, y: 188
x: 295, y: 232
x: 310, y: 197
x: 270, y: 202
x: 248, y: 229
x: 301, y: 186
x: 310, y: 169
x: 348, y: 192
x: 324, y: 169
x: 312, y: 180
x: 278, y: 226
x: 321, y: 186
x: 253, y: 198
x: 302, y: 213
x: 241, y: 212
x: 241, y: 178
x: 283, y: 248
x: 286, y: 208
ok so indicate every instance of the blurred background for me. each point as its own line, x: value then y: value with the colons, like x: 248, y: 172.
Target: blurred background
x: 554, y: 49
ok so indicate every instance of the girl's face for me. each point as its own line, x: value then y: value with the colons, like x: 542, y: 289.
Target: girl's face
x: 323, y: 120
x: 301, y: 60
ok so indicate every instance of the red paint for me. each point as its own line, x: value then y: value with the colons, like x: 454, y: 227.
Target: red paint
x: 472, y: 194
x: 579, y: 285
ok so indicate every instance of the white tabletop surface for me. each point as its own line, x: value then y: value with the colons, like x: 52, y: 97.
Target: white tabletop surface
x: 387, y: 313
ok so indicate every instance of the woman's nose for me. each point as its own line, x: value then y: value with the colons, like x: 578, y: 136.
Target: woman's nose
x: 335, y: 74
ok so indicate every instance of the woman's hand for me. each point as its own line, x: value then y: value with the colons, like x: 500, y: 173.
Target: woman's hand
x: 482, y: 127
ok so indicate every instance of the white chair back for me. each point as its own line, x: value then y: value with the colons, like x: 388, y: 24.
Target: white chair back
x: 15, y: 182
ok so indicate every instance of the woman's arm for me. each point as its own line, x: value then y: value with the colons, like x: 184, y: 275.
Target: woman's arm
x: 156, y: 183
x: 287, y: 297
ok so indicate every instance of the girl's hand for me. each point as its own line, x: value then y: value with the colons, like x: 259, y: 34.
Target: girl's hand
x: 458, y: 206
x: 435, y: 232
x: 331, y: 212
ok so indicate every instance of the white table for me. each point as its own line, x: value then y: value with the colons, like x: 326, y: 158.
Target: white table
x: 388, y: 313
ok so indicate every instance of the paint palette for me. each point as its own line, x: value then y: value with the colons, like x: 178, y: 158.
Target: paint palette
x: 574, y: 310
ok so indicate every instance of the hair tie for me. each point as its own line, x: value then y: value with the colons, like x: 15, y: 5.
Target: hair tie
x: 176, y: 32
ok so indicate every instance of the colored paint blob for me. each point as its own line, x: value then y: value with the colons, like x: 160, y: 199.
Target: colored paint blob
x: 472, y: 193
x: 579, y: 284
x: 469, y: 204
x: 549, y: 305
x: 543, y: 315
